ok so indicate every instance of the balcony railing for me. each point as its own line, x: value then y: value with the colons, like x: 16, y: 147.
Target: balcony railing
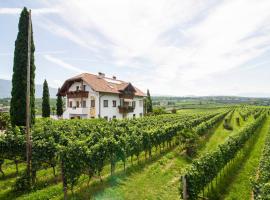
x: 125, y: 109
x: 77, y: 94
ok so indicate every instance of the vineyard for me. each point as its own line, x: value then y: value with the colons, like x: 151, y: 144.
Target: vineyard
x: 192, y: 154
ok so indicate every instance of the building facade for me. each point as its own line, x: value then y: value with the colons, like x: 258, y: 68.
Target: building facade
x: 93, y: 96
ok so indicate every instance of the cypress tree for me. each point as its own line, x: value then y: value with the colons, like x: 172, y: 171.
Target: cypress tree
x: 46, y: 100
x: 59, y: 106
x: 149, y: 107
x: 19, y: 77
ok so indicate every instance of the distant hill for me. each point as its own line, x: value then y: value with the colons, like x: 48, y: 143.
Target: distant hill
x: 5, y: 89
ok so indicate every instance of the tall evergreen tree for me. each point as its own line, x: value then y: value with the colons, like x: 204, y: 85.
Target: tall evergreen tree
x: 19, y: 77
x: 59, y: 106
x: 149, y: 106
x: 46, y: 110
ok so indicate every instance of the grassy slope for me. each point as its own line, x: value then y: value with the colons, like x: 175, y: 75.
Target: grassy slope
x: 240, y: 185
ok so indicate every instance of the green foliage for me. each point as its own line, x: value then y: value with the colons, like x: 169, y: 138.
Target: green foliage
x: 86, y: 146
x: 174, y: 111
x: 238, y: 121
x: 59, y: 106
x: 191, y: 142
x: 261, y: 180
x: 207, y: 125
x: 158, y: 111
x: 46, y: 110
x: 227, y: 124
x: 148, y: 103
x: 4, y: 121
x: 23, y: 183
x: 18, y: 93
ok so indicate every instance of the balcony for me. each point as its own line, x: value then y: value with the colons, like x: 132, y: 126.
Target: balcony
x: 125, y: 109
x: 75, y: 110
x: 77, y: 94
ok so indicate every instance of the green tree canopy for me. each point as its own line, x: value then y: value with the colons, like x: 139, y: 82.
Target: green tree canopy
x: 46, y: 100
x: 19, y: 77
x: 149, y: 106
x: 59, y: 106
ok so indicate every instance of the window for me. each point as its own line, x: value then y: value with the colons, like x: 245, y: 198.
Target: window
x: 133, y: 104
x: 121, y: 102
x: 84, y: 104
x: 93, y: 103
x: 114, y: 103
x: 77, y: 88
x: 84, y: 88
x: 77, y: 104
x: 140, y: 114
x: 141, y: 103
x: 134, y: 115
x: 70, y: 104
x: 105, y: 103
x: 106, y: 117
x: 114, y: 117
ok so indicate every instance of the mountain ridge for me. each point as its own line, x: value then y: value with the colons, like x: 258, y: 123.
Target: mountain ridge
x: 6, y: 86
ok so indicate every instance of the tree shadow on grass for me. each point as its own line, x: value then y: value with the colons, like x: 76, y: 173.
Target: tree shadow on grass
x: 8, y: 176
x: 40, y: 184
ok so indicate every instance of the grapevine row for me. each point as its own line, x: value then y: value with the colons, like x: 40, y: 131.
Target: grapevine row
x: 204, y: 170
x: 86, y: 146
x: 261, y: 181
x: 207, y: 125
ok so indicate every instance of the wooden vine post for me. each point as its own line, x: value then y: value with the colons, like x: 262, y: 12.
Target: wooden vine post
x: 28, y: 109
x: 184, y: 185
x: 64, y: 180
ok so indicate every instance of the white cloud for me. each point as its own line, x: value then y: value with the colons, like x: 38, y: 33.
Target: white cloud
x: 35, y: 11
x: 183, y: 42
x: 63, y: 64
x: 57, y: 83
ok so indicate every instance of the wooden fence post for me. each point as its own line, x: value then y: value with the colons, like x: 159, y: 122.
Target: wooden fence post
x: 64, y: 180
x: 184, y: 184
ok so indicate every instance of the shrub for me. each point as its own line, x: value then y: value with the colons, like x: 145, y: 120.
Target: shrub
x: 4, y: 120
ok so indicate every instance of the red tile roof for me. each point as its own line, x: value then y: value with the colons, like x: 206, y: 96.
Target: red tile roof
x: 100, y: 84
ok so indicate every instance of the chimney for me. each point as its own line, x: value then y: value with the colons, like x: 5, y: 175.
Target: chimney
x: 101, y: 75
x: 114, y: 77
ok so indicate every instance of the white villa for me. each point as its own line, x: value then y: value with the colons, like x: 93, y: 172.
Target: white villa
x: 94, y: 96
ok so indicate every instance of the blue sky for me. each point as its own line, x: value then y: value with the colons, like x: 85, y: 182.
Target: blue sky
x: 172, y: 47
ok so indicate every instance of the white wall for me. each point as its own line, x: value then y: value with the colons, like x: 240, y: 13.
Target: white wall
x: 110, y: 111
x: 138, y: 109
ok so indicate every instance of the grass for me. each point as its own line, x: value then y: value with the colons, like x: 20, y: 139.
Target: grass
x: 212, y: 141
x: 150, y: 182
